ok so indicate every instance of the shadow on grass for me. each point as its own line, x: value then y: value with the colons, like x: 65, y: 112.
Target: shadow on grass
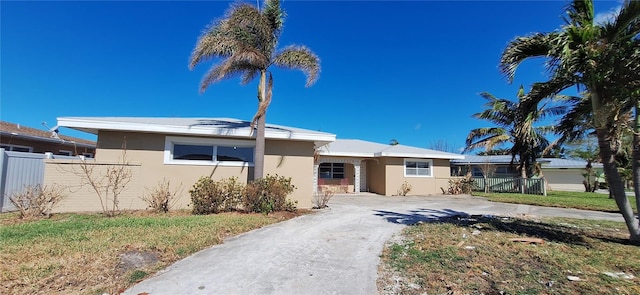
x: 530, y: 228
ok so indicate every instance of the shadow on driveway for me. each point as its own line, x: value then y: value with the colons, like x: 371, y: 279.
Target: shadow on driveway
x: 419, y: 215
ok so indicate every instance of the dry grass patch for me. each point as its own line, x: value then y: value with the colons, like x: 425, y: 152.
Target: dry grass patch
x: 477, y: 256
x: 83, y: 253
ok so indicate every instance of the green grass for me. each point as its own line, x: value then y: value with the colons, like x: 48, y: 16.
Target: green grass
x: 577, y: 200
x: 79, y: 253
x: 432, y: 259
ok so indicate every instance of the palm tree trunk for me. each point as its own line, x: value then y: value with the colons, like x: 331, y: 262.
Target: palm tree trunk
x: 616, y: 186
x: 635, y: 164
x: 258, y: 158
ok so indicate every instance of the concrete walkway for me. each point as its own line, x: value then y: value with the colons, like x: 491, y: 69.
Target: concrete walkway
x: 335, y: 251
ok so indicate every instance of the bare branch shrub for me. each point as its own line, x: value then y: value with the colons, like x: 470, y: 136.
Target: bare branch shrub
x: 161, y: 198
x: 405, y: 188
x: 322, y: 197
x: 109, y: 185
x: 37, y: 201
x: 458, y: 186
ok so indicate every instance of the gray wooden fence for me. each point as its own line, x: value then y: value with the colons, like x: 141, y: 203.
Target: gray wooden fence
x: 19, y: 170
x: 534, y: 186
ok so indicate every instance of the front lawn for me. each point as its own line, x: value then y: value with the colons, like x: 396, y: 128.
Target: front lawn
x: 477, y: 256
x: 577, y: 200
x: 81, y: 253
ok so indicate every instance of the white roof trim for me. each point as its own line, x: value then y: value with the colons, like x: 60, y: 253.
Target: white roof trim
x: 422, y: 156
x: 93, y: 125
x: 346, y: 154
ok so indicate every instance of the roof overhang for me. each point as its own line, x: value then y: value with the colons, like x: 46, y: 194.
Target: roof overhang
x: 418, y: 156
x: 95, y: 125
x: 45, y: 139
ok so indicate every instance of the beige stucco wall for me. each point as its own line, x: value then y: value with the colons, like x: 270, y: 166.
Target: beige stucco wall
x: 292, y: 159
x: 564, y: 179
x: 286, y: 158
x: 394, y: 171
x: 69, y: 175
x: 376, y: 176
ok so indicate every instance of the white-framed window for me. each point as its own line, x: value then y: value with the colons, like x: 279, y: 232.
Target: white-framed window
x: 331, y: 170
x: 418, y: 168
x: 16, y: 148
x: 208, y: 151
x: 64, y: 153
x: 505, y: 170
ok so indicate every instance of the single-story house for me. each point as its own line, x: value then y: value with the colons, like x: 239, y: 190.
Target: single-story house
x: 383, y: 168
x: 183, y: 149
x: 20, y: 138
x: 561, y: 174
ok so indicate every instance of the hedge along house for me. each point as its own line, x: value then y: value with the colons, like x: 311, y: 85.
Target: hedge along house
x: 357, y: 165
x: 181, y: 150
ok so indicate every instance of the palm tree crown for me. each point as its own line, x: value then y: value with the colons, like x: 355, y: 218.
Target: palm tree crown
x: 245, y: 42
x: 604, y: 59
x: 527, y: 143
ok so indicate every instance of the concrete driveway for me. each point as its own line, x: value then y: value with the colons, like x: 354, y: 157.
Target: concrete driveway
x: 335, y: 251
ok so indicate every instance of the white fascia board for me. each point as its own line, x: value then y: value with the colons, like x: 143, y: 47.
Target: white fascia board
x: 172, y: 129
x: 347, y: 154
x: 419, y: 156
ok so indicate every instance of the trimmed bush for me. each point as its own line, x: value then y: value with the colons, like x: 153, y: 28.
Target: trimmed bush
x: 269, y: 194
x: 207, y: 196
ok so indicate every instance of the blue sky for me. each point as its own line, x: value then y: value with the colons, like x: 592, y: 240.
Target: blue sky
x: 405, y: 70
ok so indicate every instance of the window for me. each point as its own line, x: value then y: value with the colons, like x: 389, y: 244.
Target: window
x: 206, y: 151
x: 64, y: 153
x: 477, y: 172
x: 16, y: 148
x: 331, y: 170
x: 504, y: 170
x: 87, y: 155
x: 418, y: 168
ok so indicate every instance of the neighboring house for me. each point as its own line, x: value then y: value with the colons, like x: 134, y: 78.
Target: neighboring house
x: 561, y: 174
x: 183, y: 149
x: 382, y: 168
x: 18, y: 138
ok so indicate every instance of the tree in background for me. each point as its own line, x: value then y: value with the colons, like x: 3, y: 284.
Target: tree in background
x: 605, y: 60
x: 526, y: 143
x: 443, y: 146
x: 245, y: 40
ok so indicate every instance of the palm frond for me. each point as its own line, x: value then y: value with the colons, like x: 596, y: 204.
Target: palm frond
x: 626, y: 24
x: 580, y: 13
x: 536, y: 45
x: 224, y: 70
x: 479, y: 133
x: 216, y: 41
x: 299, y: 58
x: 488, y: 143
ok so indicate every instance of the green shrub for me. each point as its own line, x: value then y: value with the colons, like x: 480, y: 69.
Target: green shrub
x: 269, y: 194
x: 207, y: 196
x: 233, y: 191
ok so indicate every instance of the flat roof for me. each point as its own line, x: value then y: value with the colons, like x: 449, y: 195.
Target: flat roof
x: 368, y: 149
x: 223, y: 127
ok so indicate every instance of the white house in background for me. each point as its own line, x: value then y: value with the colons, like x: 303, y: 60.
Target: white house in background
x: 561, y: 174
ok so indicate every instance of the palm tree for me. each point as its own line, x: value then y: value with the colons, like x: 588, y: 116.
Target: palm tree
x: 245, y: 41
x: 598, y: 57
x: 527, y: 143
